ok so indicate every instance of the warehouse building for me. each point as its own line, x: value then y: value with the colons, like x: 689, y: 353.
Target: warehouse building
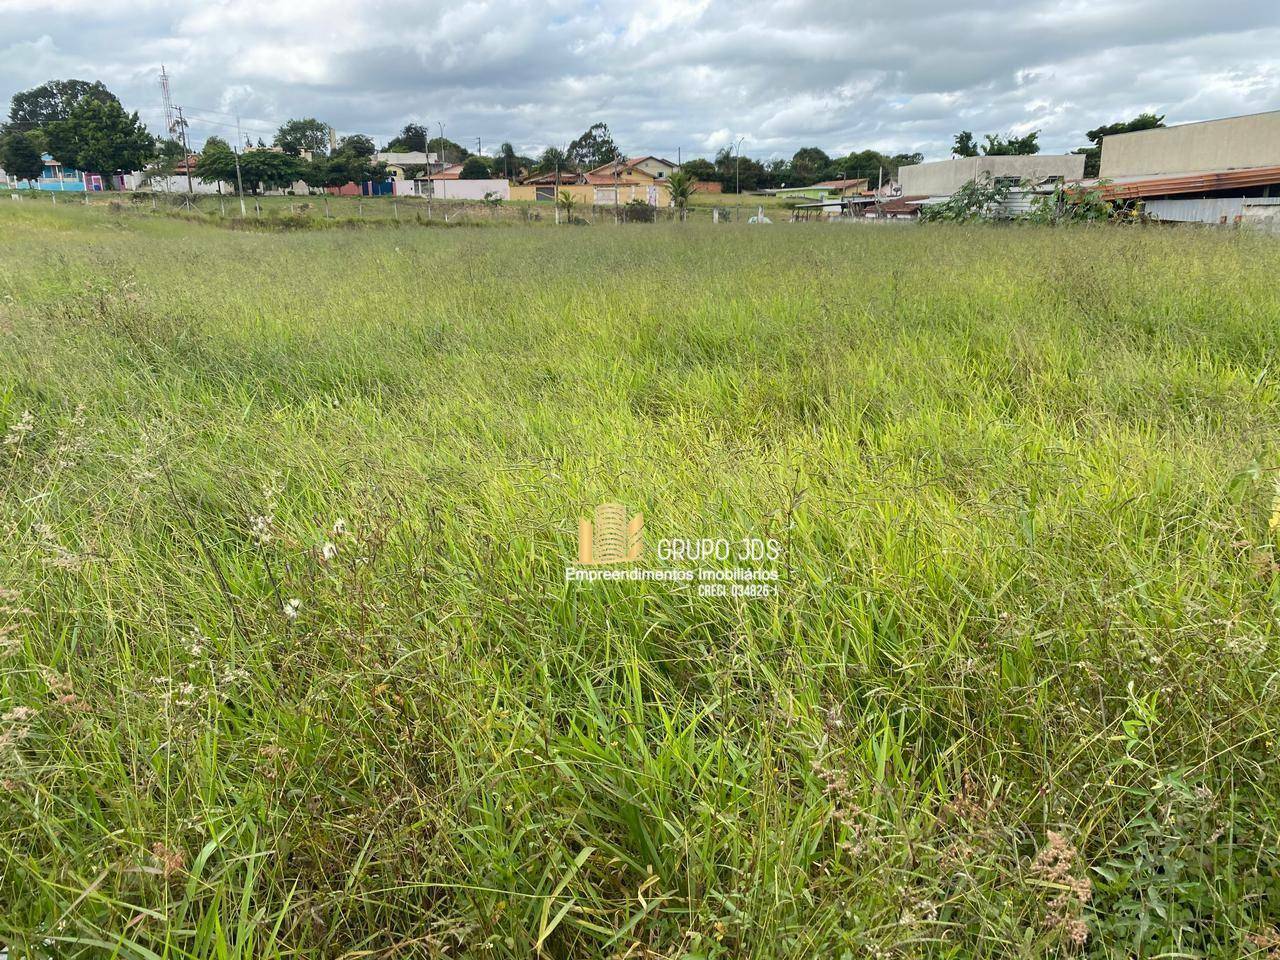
x: 1215, y: 171
x: 942, y: 178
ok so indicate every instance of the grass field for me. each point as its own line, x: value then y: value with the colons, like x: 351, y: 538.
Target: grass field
x: 319, y: 210
x: 290, y: 666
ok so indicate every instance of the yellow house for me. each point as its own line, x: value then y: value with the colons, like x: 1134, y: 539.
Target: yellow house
x: 636, y: 178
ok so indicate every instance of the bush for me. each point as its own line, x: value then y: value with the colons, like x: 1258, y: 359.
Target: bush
x: 637, y: 211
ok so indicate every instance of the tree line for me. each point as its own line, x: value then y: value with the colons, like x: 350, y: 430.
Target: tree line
x: 83, y: 125
x: 995, y: 145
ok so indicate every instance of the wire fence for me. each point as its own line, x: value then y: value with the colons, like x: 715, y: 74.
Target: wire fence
x: 287, y: 210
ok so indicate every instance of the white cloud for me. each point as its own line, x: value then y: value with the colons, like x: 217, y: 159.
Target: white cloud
x: 690, y: 74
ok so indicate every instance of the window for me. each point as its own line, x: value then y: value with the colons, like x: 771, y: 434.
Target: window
x: 545, y: 193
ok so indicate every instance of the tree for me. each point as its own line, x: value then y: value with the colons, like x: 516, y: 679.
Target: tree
x: 738, y: 172
x: 1011, y: 146
x: 217, y: 163
x: 352, y: 162
x: 270, y: 169
x: 594, y: 148
x: 447, y: 150
x: 567, y: 202
x: 553, y: 159
x: 1093, y: 154
x: 808, y: 165
x: 53, y: 101
x: 996, y: 145
x: 681, y: 185
x: 98, y: 136
x: 506, y: 161
x: 357, y: 145
x: 700, y: 169
x: 474, y: 169
x: 295, y: 136
x: 20, y: 157
x: 411, y: 139
x: 977, y: 200
x: 964, y: 145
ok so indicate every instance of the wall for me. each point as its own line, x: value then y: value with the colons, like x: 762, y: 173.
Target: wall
x: 1213, y: 209
x: 469, y: 189
x: 586, y: 193
x: 176, y: 184
x: 1236, y: 142
x: 944, y: 177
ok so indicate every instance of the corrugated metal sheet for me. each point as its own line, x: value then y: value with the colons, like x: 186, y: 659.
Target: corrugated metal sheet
x: 1210, y: 210
x: 1191, y: 183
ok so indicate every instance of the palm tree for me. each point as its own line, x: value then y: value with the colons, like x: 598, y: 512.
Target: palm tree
x: 566, y: 202
x: 682, y: 187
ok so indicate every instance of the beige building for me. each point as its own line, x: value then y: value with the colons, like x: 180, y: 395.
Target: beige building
x: 944, y: 177
x: 1212, y: 145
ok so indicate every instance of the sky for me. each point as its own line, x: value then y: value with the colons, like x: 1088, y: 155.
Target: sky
x: 677, y: 78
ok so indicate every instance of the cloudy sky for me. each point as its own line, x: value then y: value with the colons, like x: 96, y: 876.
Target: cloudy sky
x: 845, y: 75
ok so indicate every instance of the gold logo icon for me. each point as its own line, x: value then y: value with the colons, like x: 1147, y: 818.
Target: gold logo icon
x: 612, y: 538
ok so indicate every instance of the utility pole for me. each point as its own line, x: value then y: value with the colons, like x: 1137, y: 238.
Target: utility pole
x: 440, y: 124
x: 479, y: 149
x: 239, y: 182
x: 737, y: 168
x: 186, y: 146
x: 426, y: 163
x: 617, y: 171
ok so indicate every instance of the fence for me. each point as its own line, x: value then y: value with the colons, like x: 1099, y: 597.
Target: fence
x: 727, y: 209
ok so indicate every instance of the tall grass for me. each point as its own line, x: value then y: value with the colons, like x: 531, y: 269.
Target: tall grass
x: 289, y: 666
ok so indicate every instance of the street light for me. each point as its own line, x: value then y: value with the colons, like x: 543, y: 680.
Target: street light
x: 737, y: 167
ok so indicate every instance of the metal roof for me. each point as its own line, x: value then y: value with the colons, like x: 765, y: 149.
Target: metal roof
x: 1189, y: 183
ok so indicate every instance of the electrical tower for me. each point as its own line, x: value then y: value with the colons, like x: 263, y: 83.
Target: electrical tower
x: 171, y: 125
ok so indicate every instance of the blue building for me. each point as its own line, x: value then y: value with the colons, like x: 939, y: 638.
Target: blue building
x: 57, y: 176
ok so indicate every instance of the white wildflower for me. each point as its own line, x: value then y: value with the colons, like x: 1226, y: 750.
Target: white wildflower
x: 329, y: 551
x: 260, y: 528
x: 291, y: 608
x: 19, y: 429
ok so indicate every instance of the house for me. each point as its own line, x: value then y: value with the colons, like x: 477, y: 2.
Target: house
x: 825, y: 190
x: 59, y: 177
x: 398, y: 161
x: 597, y: 188
x: 942, y: 178
x: 653, y: 168
x: 1213, y: 171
